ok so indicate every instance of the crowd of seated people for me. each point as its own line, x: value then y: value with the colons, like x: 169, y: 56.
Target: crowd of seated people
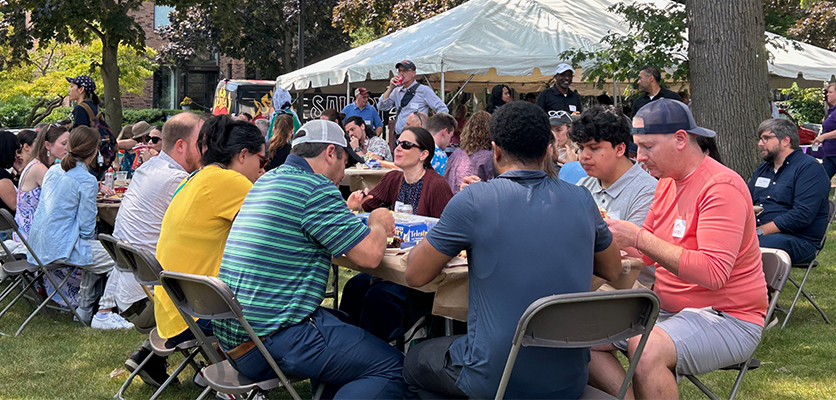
x: 256, y: 203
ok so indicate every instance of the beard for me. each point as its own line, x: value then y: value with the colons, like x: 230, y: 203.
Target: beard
x: 770, y: 155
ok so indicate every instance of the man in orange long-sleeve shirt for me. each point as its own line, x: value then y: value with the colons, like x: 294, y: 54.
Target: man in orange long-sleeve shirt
x: 700, y: 233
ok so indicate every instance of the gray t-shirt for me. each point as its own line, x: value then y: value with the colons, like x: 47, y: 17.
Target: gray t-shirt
x: 628, y: 199
x: 527, y: 236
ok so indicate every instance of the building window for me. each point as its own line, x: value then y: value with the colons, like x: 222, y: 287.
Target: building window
x: 161, y: 15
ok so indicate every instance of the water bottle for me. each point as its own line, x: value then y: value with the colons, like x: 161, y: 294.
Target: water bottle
x: 108, y: 178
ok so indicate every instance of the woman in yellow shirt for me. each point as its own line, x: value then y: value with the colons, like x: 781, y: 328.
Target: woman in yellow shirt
x: 197, y: 222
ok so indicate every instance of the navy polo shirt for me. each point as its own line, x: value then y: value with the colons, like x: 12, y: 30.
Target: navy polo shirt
x: 527, y: 236
x: 794, y: 198
x: 368, y: 113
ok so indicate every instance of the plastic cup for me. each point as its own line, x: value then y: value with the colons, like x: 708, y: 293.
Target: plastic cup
x: 121, y: 175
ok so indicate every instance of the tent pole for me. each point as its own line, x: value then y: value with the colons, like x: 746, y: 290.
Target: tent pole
x: 461, y: 89
x: 615, y: 92
x: 347, y: 90
x: 442, y: 80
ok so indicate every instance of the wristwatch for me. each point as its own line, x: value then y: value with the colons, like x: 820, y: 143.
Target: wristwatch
x: 759, y: 231
x: 356, y: 149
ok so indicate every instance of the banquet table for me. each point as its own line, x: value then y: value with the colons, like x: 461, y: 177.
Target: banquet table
x: 451, y: 285
x: 363, y: 178
x: 108, y: 211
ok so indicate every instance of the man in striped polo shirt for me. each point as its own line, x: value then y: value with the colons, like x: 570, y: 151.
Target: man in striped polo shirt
x: 277, y: 259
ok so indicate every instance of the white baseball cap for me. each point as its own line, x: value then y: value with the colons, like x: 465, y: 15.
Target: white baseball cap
x: 324, y: 131
x: 563, y: 67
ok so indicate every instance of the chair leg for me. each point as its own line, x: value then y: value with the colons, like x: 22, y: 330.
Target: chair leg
x: 173, y: 376
x: 131, y: 377
x: 319, y: 389
x: 797, y: 294
x: 739, y: 381
x: 336, y: 270
x: 204, y: 393
x: 17, y: 298
x: 49, y: 298
x: 702, y: 387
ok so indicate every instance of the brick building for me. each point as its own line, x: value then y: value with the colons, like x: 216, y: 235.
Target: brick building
x: 167, y: 87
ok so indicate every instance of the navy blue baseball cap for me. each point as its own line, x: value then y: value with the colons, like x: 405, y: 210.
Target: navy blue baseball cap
x: 84, y: 81
x: 667, y: 116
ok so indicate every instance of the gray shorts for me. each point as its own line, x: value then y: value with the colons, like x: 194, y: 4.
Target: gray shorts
x: 706, y: 339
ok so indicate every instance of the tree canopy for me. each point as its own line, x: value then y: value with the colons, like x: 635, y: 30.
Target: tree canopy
x: 367, y: 20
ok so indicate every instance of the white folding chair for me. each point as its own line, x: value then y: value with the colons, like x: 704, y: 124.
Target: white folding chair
x: 776, y: 269
x: 553, y: 321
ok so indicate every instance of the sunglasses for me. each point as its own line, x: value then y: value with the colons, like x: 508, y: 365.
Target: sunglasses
x: 262, y: 161
x: 407, y: 145
x: 559, y: 114
x: 153, y: 139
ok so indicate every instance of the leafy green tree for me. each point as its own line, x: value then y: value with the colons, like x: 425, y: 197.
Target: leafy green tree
x: 806, y: 105
x: 367, y: 20
x: 42, y: 77
x: 24, y: 22
x: 818, y: 25
x: 264, y: 33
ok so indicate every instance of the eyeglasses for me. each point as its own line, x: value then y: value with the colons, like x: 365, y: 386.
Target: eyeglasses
x: 406, y: 145
x: 765, y: 138
x: 559, y: 114
x: 153, y: 139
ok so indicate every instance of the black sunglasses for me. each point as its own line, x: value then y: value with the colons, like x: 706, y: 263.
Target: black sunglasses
x: 406, y: 145
x: 153, y: 139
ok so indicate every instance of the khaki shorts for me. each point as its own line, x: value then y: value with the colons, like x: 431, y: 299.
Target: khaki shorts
x: 706, y: 339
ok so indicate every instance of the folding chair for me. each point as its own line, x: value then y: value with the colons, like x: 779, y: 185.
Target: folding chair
x: 809, y: 266
x: 552, y: 321
x: 208, y: 297
x: 776, y: 269
x: 23, y: 271
x: 146, y: 270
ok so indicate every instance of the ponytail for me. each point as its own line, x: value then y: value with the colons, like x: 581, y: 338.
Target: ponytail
x: 83, y: 144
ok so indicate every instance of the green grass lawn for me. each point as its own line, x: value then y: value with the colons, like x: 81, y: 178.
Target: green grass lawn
x: 61, y: 360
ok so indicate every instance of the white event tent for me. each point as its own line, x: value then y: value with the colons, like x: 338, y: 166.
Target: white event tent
x: 517, y: 42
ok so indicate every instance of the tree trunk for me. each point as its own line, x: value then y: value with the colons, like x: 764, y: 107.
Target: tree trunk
x: 729, y: 76
x: 112, y: 97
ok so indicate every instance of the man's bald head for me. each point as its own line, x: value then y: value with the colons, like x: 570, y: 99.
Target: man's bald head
x: 180, y: 126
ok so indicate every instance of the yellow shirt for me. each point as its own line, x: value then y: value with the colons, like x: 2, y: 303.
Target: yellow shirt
x: 194, y: 232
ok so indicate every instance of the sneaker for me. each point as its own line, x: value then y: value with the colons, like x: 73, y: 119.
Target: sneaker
x: 110, y: 320
x: 772, y: 323
x: 198, y: 379
x: 153, y: 373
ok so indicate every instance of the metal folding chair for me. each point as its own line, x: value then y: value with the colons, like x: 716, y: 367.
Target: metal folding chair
x: 809, y: 267
x: 25, y: 272
x: 776, y: 269
x: 208, y: 297
x: 552, y: 321
x: 146, y: 270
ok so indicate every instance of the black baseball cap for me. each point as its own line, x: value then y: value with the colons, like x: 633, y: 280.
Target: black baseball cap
x: 406, y: 64
x: 84, y: 81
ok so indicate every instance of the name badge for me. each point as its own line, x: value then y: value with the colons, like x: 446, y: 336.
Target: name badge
x: 678, y: 228
x: 573, y: 108
x: 762, y: 182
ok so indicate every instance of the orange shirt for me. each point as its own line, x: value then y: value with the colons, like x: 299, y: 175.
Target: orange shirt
x: 709, y: 214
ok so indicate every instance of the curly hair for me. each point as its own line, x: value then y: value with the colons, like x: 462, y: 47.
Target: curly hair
x: 602, y: 124
x: 476, y: 133
x: 522, y: 131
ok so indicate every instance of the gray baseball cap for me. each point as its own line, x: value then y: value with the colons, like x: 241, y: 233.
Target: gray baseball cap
x: 324, y: 131
x: 667, y: 116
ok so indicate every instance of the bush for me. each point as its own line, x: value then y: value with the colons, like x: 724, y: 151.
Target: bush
x: 805, y: 105
x: 153, y: 116
x: 59, y: 114
x: 13, y: 113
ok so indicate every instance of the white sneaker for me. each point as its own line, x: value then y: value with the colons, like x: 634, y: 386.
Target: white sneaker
x: 110, y: 320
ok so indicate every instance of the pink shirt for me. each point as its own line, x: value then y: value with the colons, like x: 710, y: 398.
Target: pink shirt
x: 709, y: 214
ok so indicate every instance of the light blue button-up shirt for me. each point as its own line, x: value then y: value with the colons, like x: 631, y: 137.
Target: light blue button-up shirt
x: 423, y: 100
x: 66, y: 217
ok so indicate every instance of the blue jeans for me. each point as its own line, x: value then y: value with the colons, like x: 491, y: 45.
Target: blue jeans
x: 799, y: 250
x: 355, y: 364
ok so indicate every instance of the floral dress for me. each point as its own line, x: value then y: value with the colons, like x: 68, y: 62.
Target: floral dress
x: 27, y: 203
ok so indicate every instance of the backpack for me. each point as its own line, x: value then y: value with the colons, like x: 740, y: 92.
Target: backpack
x: 107, y: 147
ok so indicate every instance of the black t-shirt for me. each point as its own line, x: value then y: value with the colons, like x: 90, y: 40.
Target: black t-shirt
x: 6, y: 175
x: 80, y: 117
x: 663, y: 93
x: 278, y: 158
x: 552, y: 100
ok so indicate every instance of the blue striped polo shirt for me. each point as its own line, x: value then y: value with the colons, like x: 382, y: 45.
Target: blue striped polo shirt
x: 278, y: 254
